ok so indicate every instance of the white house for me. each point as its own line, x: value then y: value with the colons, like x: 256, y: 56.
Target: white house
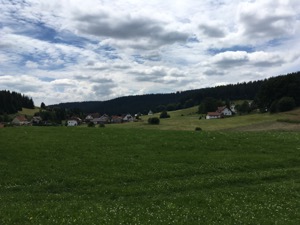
x: 220, y: 113
x: 72, y: 123
x: 232, y: 108
x: 224, y: 111
x: 89, y: 118
x: 128, y: 118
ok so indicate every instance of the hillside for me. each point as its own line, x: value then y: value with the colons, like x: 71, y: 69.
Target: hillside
x: 188, y: 119
x: 170, y: 101
x: 265, y: 93
x: 29, y: 112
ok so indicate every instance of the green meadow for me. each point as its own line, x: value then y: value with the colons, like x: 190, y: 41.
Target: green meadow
x: 133, y: 175
x: 189, y: 119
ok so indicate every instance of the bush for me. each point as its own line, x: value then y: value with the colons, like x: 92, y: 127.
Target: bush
x: 164, y: 114
x: 153, y: 120
x: 286, y: 104
x: 198, y: 129
x: 273, y: 107
x: 91, y: 124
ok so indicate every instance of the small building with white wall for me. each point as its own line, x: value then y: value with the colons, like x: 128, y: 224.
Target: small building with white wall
x: 72, y: 123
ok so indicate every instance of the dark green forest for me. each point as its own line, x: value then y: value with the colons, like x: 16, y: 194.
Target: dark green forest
x: 276, y: 89
x: 273, y: 94
x: 171, y: 101
x: 263, y: 92
x: 12, y: 102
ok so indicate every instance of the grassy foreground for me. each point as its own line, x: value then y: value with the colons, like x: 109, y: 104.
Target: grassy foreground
x: 63, y: 175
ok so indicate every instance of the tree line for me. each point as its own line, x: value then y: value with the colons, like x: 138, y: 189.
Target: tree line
x: 280, y: 93
x: 272, y: 94
x: 12, y: 102
x: 170, y: 101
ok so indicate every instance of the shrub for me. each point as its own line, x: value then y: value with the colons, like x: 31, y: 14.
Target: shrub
x: 164, y: 114
x: 286, y: 104
x: 91, y: 124
x: 273, y: 107
x: 198, y: 129
x: 153, y: 120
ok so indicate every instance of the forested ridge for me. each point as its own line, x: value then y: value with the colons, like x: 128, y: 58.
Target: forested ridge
x: 267, y: 95
x: 12, y: 102
x: 263, y: 92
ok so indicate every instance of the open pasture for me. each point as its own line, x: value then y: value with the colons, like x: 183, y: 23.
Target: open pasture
x: 79, y: 175
x: 188, y: 119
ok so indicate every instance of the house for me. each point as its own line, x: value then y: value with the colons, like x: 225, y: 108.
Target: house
x: 128, y: 118
x: 101, y: 120
x: 116, y: 119
x: 220, y: 113
x: 91, y: 116
x: 96, y: 120
x: 79, y: 121
x: 104, y: 119
x: 232, y: 108
x: 36, y: 120
x: 72, y: 123
x: 224, y: 111
x: 213, y: 115
x: 20, y: 120
x: 88, y: 118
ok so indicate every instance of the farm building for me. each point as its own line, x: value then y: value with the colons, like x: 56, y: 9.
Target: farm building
x: 20, y: 120
x: 101, y: 120
x: 116, y: 119
x: 72, y: 123
x: 224, y: 111
x: 213, y: 115
x: 220, y: 113
x: 36, y: 120
x: 128, y: 118
x: 92, y: 116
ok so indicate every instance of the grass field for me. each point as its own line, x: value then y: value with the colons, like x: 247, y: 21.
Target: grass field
x: 78, y: 175
x: 188, y: 119
x: 29, y: 112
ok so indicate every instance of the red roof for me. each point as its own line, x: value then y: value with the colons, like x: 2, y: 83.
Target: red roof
x: 21, y: 118
x: 214, y: 114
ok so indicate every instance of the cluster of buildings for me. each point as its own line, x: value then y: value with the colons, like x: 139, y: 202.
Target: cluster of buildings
x: 96, y: 118
x: 104, y: 119
x: 21, y: 120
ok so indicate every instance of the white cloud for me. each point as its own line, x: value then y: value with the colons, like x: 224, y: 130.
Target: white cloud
x: 213, y: 29
x: 267, y: 19
x: 230, y: 59
x: 69, y: 51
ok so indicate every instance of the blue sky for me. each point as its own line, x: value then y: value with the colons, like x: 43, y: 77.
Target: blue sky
x: 60, y: 51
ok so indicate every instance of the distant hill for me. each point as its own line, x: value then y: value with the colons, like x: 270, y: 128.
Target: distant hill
x: 272, y: 88
x: 170, y: 101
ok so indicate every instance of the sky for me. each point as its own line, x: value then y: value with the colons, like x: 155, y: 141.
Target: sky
x: 94, y: 50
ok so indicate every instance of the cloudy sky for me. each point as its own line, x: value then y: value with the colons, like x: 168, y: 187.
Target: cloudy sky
x: 72, y: 50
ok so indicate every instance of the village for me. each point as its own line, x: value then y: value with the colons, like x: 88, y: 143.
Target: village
x: 97, y: 119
